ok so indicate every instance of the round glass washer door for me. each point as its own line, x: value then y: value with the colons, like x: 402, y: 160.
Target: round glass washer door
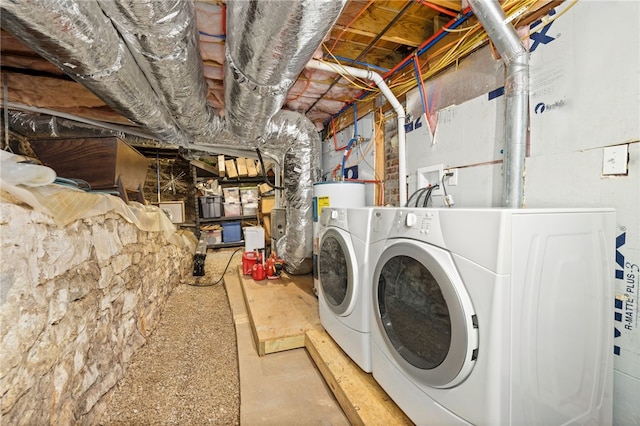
x: 336, y: 271
x: 424, y: 314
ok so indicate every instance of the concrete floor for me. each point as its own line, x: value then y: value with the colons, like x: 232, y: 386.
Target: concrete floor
x: 283, y: 388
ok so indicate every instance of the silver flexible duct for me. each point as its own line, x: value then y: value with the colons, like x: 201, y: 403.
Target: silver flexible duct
x: 516, y: 58
x: 77, y: 37
x: 162, y: 36
x: 269, y: 54
x: 273, y: 41
x: 295, y: 139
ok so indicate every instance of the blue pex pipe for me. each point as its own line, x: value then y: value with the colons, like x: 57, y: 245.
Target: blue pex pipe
x: 344, y: 156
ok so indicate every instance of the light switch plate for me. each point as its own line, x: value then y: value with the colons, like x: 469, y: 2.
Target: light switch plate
x: 614, y: 160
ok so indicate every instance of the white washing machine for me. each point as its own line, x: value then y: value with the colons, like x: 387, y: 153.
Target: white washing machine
x: 344, y: 286
x: 495, y: 316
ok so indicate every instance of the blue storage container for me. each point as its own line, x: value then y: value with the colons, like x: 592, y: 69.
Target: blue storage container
x: 231, y: 232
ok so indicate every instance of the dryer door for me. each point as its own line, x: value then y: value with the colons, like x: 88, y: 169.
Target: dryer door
x: 424, y: 313
x: 337, y: 271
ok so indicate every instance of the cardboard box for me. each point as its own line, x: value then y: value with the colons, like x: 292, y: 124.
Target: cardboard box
x: 264, y: 187
x: 266, y: 204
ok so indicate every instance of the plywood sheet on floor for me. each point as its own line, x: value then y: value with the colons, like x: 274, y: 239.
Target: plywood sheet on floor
x: 282, y: 388
x: 280, y: 311
x: 361, y: 398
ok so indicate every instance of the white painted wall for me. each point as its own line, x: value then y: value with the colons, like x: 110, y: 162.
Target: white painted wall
x: 362, y: 154
x: 588, y: 79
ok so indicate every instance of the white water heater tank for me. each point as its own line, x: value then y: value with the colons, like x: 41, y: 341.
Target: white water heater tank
x: 332, y: 194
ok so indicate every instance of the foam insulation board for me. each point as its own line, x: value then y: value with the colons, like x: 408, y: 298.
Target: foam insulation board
x: 580, y: 100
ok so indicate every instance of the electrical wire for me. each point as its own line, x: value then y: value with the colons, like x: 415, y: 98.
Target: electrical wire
x: 221, y: 277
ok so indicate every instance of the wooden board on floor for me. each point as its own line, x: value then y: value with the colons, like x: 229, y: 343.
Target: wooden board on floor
x: 362, y: 399
x: 236, y: 299
x: 280, y: 311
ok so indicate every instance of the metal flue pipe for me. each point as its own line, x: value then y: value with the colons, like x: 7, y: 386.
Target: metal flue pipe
x: 377, y: 79
x: 516, y: 58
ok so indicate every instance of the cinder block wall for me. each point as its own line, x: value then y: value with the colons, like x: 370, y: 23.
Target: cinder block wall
x: 75, y: 305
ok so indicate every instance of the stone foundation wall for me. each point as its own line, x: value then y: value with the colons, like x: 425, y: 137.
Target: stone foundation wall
x: 75, y: 305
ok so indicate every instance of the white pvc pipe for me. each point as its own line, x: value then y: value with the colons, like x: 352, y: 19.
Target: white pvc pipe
x: 377, y: 79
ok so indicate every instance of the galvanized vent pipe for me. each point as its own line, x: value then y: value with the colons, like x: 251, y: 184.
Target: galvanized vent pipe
x: 377, y: 79
x: 516, y: 58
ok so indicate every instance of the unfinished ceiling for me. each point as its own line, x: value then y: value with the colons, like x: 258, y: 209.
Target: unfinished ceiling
x: 398, y: 39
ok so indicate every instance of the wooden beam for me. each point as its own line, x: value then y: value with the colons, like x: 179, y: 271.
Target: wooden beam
x: 361, y: 398
x: 453, y: 5
x: 409, y: 30
x: 413, y: 42
x: 381, y: 57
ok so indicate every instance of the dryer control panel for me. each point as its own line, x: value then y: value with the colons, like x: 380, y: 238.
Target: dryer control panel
x: 336, y: 217
x: 417, y: 224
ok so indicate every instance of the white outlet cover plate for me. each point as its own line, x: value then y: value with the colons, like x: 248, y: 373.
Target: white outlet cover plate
x: 614, y: 160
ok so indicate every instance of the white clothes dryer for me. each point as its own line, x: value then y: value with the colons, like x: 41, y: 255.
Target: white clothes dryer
x: 495, y: 316
x: 344, y: 286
